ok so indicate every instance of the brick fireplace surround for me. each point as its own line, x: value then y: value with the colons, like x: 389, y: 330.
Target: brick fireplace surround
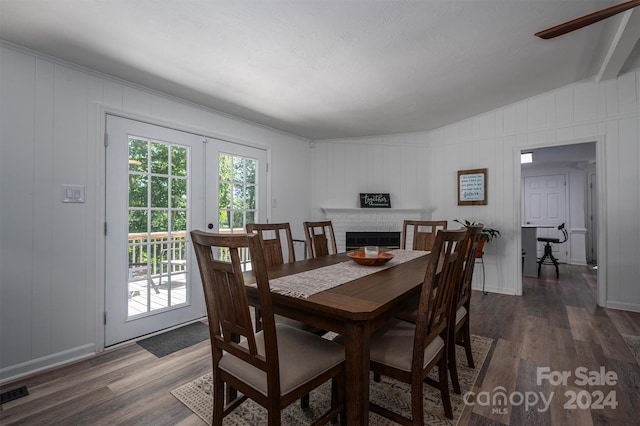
x: 368, y: 220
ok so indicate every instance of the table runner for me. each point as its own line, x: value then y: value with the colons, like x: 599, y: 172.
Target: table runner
x: 305, y: 284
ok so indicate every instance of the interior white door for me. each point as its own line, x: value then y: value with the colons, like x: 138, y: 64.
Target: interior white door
x: 154, y: 195
x: 545, y: 206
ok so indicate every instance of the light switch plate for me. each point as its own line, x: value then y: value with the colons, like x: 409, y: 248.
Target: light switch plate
x: 72, y: 193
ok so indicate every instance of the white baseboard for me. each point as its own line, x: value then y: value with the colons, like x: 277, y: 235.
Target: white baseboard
x: 494, y: 289
x: 17, y: 371
x: 633, y: 307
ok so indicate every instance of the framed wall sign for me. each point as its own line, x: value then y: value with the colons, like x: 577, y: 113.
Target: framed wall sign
x: 375, y: 200
x: 472, y: 187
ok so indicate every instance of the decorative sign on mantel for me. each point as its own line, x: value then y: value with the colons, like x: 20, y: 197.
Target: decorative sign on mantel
x: 369, y: 201
x: 472, y: 187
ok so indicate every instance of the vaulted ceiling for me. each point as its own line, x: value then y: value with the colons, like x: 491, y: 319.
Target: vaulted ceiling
x: 324, y: 69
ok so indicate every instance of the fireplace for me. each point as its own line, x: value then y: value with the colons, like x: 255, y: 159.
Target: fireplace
x: 356, y: 240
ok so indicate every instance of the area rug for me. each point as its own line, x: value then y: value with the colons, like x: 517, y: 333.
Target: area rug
x: 633, y: 342
x: 174, y: 340
x: 197, y: 396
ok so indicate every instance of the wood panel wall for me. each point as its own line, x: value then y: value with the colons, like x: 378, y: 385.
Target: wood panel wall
x: 51, y: 271
x: 423, y: 167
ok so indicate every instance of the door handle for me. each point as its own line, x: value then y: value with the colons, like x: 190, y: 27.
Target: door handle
x: 210, y: 226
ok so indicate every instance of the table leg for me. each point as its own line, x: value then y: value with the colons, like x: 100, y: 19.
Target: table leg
x: 357, y: 375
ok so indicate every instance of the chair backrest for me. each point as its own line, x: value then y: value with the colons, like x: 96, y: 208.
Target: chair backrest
x: 270, y: 233
x: 424, y: 233
x: 565, y: 234
x: 443, y: 272
x: 463, y: 293
x: 227, y: 302
x: 321, y: 240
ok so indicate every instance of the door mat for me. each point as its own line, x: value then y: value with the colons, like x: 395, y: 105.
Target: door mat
x: 197, y: 395
x: 174, y: 340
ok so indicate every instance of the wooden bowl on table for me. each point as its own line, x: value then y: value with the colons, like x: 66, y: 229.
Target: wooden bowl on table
x: 361, y: 259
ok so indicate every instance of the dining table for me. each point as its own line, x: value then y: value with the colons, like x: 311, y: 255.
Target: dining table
x: 352, y: 300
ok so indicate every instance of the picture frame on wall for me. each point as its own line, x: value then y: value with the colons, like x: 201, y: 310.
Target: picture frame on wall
x: 472, y: 187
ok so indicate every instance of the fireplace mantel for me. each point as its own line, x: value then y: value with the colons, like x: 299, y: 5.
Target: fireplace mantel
x: 353, y: 219
x: 334, y: 210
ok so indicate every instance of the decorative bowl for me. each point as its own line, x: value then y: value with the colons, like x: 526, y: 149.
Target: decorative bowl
x: 360, y: 258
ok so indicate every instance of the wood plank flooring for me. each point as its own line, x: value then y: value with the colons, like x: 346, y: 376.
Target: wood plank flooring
x: 555, y: 324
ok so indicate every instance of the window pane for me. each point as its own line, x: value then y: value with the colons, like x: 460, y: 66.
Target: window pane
x: 223, y: 219
x: 224, y: 195
x: 179, y: 221
x: 159, y: 221
x: 138, y: 155
x: 159, y: 158
x: 178, y: 161
x: 238, y: 219
x: 137, y: 191
x: 159, y: 191
x: 238, y: 169
x: 251, y: 216
x: 224, y: 168
x: 179, y: 193
x: 238, y: 196
x: 137, y: 221
x: 250, y: 197
x: 251, y: 170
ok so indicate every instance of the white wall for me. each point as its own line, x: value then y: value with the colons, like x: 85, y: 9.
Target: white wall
x: 419, y: 170
x: 51, y: 281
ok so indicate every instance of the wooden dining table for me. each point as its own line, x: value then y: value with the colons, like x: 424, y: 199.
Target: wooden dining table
x: 354, y: 309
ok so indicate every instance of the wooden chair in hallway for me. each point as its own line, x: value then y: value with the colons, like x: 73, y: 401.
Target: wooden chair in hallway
x: 407, y: 352
x: 459, y: 330
x: 321, y: 239
x: 423, y: 231
x: 273, y: 367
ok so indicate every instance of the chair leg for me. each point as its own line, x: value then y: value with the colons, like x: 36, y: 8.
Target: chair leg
x: 444, y: 387
x: 304, y: 401
x: 483, y: 277
x: 417, y: 402
x: 453, y: 369
x: 548, y: 253
x: 467, y: 343
x: 218, y: 401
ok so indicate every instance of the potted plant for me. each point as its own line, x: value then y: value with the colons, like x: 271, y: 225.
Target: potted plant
x: 488, y: 234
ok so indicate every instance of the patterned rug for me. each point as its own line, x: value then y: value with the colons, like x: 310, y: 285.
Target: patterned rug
x: 197, y: 396
x: 633, y: 342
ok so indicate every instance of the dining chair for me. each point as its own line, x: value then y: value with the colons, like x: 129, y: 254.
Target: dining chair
x: 271, y: 239
x: 459, y: 331
x: 423, y: 236
x: 273, y: 367
x: 423, y: 231
x: 408, y: 352
x: 321, y: 239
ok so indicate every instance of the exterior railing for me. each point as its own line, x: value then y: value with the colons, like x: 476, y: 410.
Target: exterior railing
x: 158, y: 253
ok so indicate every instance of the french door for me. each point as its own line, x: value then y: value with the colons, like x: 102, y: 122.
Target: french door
x: 154, y: 196
x: 238, y: 186
x: 160, y: 184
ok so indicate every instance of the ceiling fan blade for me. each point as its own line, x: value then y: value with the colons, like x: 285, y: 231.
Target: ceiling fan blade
x: 585, y: 20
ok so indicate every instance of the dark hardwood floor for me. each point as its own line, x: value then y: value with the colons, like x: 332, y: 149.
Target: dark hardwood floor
x: 555, y: 325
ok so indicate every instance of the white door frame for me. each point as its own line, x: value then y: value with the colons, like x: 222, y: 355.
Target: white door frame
x: 602, y: 208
